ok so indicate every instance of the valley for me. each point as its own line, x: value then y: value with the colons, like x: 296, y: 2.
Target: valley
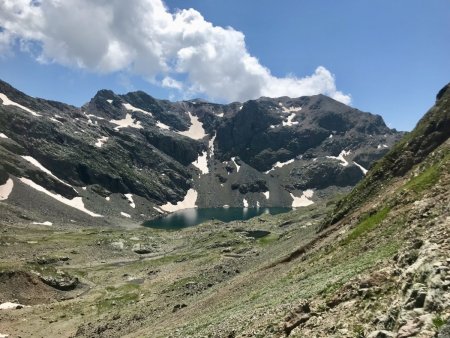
x: 371, y: 263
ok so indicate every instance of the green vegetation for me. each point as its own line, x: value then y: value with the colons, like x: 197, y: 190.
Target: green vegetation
x: 367, y: 224
x: 438, y: 322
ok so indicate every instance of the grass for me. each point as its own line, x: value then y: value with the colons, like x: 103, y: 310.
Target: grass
x: 438, y: 322
x: 424, y: 180
x: 367, y: 225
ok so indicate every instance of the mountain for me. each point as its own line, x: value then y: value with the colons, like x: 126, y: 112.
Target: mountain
x: 130, y: 158
x: 374, y: 263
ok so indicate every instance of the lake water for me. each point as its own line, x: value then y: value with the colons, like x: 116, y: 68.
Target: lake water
x: 190, y: 217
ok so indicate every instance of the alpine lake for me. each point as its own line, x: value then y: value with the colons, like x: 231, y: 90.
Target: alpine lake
x: 191, y: 217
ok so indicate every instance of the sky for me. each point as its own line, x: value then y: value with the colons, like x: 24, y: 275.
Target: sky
x: 385, y: 57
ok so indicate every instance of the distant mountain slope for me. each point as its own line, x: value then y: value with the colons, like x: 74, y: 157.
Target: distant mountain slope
x: 120, y: 148
x: 431, y: 131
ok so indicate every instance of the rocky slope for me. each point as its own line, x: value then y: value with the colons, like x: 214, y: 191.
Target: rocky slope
x: 378, y: 268
x: 131, y: 157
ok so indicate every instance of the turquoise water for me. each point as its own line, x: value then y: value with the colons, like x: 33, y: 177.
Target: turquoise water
x: 190, y: 217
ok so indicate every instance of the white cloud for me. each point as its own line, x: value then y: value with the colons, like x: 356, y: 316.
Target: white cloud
x: 144, y: 38
x: 169, y: 82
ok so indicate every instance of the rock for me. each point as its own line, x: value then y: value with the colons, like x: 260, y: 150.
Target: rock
x: 178, y: 307
x: 142, y: 249
x: 62, y: 282
x: 381, y: 334
x: 408, y: 330
x: 444, y: 332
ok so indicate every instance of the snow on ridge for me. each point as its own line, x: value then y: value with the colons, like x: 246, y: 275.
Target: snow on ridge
x: 202, y: 163
x: 188, y: 202
x: 37, y: 164
x: 3, y: 135
x: 130, y: 199
x: 133, y: 108
x: 101, y: 141
x: 76, y: 202
x: 6, y: 189
x: 341, y: 158
x: 303, y: 200
x: 364, y: 170
x: 128, y: 121
x: 8, y: 102
x: 279, y: 164
x: 196, y: 130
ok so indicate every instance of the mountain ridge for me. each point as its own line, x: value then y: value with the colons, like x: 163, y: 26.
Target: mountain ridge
x: 159, y: 150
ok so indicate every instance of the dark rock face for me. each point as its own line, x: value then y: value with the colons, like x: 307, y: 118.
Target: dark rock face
x: 261, y: 150
x: 322, y: 175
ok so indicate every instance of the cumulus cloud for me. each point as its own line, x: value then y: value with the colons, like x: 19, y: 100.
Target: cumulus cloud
x: 143, y: 37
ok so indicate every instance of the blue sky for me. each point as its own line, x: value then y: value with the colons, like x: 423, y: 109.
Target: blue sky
x: 391, y: 57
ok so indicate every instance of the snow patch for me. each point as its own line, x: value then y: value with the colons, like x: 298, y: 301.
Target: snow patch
x: 6, y: 189
x: 76, y: 202
x: 237, y: 165
x: 226, y: 206
x: 364, y: 170
x: 127, y: 122
x: 245, y: 203
x: 196, y: 130
x: 101, y: 141
x: 162, y: 125
x: 55, y: 120
x: 10, y: 306
x: 257, y: 204
x: 43, y: 223
x: 280, y: 165
x: 267, y: 194
x: 124, y: 214
x: 290, y: 121
x: 37, y: 164
x: 159, y: 210
x: 202, y: 163
x: 109, y: 101
x: 211, y: 145
x: 3, y: 135
x: 133, y: 108
x: 292, y: 109
x: 130, y: 199
x: 188, y: 202
x: 341, y: 158
x: 8, y: 102
x: 220, y: 115
x: 303, y: 200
